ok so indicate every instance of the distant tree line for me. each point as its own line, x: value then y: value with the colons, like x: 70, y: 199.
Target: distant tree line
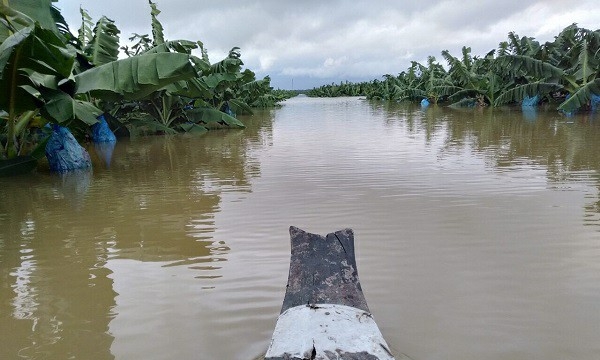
x: 565, y: 71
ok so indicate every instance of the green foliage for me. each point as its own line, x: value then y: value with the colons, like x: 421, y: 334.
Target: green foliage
x: 135, y: 77
x: 520, y: 92
x: 192, y: 94
x: 21, y: 13
x: 85, y: 33
x: 582, y: 97
x: 103, y: 47
x: 36, y: 75
x: 211, y: 115
x: 157, y: 28
x: 520, y: 67
x: 49, y: 75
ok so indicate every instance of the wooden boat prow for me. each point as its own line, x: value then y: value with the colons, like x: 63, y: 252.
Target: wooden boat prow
x: 324, y: 313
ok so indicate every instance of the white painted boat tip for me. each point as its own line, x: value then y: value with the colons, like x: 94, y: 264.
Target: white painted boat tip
x: 325, y: 330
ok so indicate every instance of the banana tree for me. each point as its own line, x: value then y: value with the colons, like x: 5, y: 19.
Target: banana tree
x: 36, y: 76
x: 470, y: 79
x: 584, y: 74
x: 255, y: 93
x: 421, y: 81
x: 569, y: 65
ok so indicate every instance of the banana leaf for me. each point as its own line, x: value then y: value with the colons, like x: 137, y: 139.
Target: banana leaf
x: 582, y: 96
x: 180, y: 46
x: 35, y: 10
x: 104, y: 46
x: 585, y: 66
x: 522, y: 64
x: 135, y: 77
x: 23, y: 75
x: 192, y: 128
x: 192, y: 88
x: 10, y: 86
x: 61, y: 107
x: 210, y: 115
x: 239, y: 106
x: 147, y: 125
x: 157, y: 28
x: 85, y: 33
x: 518, y: 93
x: 213, y: 81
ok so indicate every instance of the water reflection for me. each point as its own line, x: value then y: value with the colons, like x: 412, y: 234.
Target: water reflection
x: 507, y: 142
x: 57, y: 300
x: 72, y: 186
x: 104, y: 151
x: 530, y: 113
x: 485, y: 223
x: 65, y: 237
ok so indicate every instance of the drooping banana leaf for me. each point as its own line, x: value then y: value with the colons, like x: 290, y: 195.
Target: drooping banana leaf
x: 412, y: 94
x: 11, y: 21
x: 211, y: 115
x: 19, y: 69
x: 582, y: 96
x: 227, y: 65
x: 10, y: 52
x: 218, y: 81
x: 239, y: 106
x: 201, y: 65
x: 521, y: 64
x: 38, y: 10
x: 518, y: 93
x: 147, y: 125
x: 193, y: 128
x: 464, y: 93
x: 192, y: 88
x: 135, y: 77
x: 61, y: 107
x: 62, y: 26
x: 447, y: 90
x: 180, y: 46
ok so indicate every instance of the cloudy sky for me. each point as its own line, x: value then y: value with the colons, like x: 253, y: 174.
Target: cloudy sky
x: 314, y: 42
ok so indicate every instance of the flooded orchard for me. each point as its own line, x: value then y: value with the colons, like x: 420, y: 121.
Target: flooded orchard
x: 477, y: 235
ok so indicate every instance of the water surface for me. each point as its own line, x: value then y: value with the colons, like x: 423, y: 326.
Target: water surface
x: 477, y: 235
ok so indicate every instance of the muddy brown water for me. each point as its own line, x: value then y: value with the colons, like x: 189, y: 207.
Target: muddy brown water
x: 477, y: 235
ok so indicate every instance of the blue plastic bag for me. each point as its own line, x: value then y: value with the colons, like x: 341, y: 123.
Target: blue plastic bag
x: 424, y: 103
x: 530, y: 101
x: 64, y: 152
x: 101, y: 133
x: 227, y: 110
x: 595, y: 102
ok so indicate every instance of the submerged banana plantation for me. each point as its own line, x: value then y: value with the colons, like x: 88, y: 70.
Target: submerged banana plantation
x: 564, y: 72
x: 50, y: 76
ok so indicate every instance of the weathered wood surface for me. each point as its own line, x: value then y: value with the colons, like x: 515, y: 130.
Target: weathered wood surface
x: 324, y: 313
x: 323, y: 270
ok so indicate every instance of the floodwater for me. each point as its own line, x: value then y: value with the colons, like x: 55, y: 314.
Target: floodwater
x: 477, y: 235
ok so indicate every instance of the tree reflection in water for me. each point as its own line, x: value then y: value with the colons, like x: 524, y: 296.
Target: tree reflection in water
x: 61, y: 233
